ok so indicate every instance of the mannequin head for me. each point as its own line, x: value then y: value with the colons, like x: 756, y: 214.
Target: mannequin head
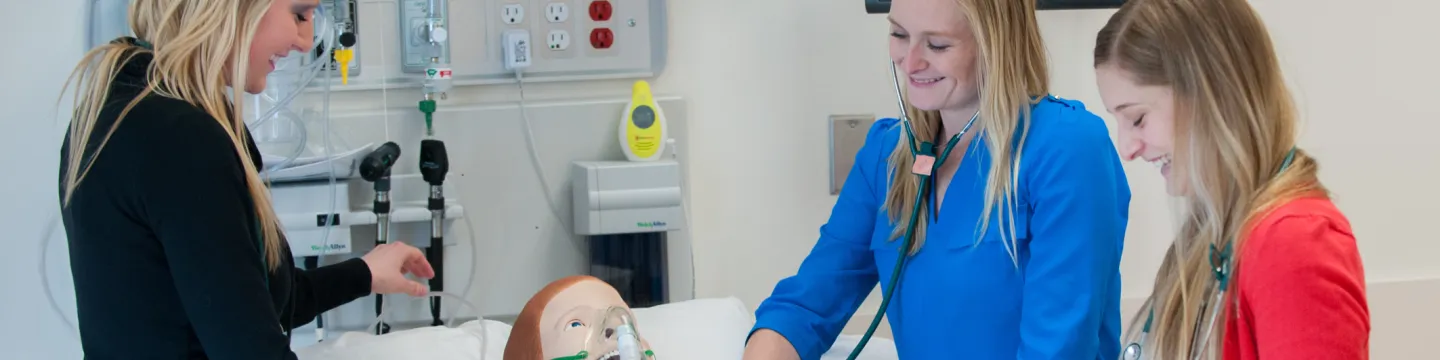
x: 569, y: 316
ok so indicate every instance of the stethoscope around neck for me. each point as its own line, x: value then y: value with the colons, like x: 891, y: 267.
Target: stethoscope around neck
x: 926, y: 162
x: 1222, y: 273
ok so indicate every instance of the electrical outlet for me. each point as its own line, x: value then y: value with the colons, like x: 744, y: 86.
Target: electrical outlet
x: 557, y: 12
x: 558, y: 40
x: 512, y: 13
x: 602, y: 38
x: 601, y: 10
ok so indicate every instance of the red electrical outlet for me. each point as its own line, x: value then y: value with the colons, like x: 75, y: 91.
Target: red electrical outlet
x: 600, y: 10
x: 602, y: 38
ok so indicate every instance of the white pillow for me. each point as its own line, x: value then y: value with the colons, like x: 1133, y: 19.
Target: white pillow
x: 429, y: 343
x: 700, y: 329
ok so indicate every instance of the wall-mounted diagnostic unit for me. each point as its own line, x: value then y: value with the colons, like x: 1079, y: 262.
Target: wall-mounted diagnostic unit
x: 626, y: 211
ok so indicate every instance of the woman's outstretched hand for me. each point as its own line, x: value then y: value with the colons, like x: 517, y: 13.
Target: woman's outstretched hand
x: 390, y: 262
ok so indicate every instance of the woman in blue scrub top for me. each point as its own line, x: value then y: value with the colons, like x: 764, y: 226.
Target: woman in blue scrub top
x: 1044, y: 283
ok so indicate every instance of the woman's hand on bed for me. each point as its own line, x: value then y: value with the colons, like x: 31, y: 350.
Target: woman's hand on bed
x: 390, y: 262
x: 767, y: 344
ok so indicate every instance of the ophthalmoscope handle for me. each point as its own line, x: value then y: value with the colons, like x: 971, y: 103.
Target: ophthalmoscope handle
x: 377, y: 164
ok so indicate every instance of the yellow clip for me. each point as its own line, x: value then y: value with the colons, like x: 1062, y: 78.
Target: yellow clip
x: 342, y: 59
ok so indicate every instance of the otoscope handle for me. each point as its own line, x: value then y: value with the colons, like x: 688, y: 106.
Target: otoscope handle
x: 434, y: 161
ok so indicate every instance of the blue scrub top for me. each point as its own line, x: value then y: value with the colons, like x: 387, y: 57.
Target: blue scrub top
x: 963, y: 299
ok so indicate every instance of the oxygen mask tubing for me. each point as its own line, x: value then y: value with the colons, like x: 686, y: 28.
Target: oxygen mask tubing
x: 612, y: 336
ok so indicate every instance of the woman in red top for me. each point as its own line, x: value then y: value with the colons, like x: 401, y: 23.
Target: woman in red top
x: 1264, y: 266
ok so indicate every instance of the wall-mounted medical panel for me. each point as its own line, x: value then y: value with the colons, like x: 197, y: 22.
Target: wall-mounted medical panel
x: 342, y: 18
x: 424, y: 34
x: 569, y: 40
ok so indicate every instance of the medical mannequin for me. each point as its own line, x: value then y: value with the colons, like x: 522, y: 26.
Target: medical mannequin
x: 576, y: 318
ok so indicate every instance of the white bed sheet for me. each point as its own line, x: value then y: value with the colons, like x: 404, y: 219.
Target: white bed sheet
x: 702, y: 329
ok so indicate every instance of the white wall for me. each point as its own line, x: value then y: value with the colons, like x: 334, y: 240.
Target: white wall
x: 752, y: 69
x: 32, y: 71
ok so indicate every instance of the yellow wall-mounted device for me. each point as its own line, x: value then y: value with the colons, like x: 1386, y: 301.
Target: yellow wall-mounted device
x: 643, y: 129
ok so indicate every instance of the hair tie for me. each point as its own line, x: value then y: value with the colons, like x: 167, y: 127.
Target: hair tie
x: 144, y: 44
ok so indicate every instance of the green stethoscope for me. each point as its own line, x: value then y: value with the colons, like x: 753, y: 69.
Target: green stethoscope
x: 925, y: 164
x: 1220, y: 268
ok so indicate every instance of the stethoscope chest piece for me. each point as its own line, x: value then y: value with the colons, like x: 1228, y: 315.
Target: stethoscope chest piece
x: 1132, y: 352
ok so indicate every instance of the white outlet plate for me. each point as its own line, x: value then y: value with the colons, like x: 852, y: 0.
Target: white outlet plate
x: 557, y: 12
x: 558, y: 40
x: 512, y: 13
x: 847, y: 136
x: 639, y: 47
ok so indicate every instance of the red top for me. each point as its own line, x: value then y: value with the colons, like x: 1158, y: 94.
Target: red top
x: 1300, y: 287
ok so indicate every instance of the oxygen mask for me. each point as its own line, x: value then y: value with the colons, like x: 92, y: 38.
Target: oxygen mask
x: 610, y: 334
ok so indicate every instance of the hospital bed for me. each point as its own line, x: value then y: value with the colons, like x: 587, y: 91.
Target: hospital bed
x: 701, y: 329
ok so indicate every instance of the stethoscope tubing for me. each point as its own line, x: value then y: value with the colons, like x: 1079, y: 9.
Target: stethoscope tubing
x: 920, y: 194
x: 1220, y: 260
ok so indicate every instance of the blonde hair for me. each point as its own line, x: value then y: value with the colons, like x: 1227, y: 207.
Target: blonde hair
x: 1235, y: 125
x: 194, y: 43
x: 1013, y: 73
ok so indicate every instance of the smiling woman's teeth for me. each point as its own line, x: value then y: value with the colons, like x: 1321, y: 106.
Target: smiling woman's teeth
x: 926, y: 81
x: 1161, y: 162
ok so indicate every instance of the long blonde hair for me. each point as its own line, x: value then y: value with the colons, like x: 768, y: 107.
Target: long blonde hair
x: 1014, y: 72
x: 1235, y: 125
x: 193, y: 44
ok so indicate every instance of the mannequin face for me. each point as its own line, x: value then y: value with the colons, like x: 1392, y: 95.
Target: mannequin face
x: 573, y: 315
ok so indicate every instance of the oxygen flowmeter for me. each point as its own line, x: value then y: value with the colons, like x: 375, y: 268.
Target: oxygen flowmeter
x: 425, y: 40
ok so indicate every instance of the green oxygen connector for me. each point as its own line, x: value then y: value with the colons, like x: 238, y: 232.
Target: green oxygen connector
x: 428, y: 107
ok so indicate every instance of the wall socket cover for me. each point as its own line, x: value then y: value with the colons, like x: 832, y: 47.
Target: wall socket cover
x: 847, y: 136
x: 558, y: 40
x: 512, y: 13
x: 557, y: 12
